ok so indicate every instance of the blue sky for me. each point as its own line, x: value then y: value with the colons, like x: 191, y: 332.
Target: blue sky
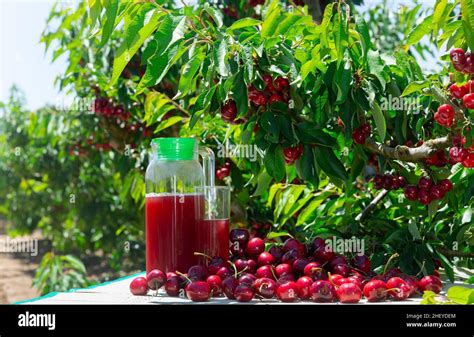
x: 22, y: 58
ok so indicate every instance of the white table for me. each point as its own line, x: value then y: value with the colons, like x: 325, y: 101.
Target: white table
x: 117, y: 292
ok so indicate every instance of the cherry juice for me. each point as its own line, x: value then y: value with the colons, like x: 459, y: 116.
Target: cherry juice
x: 213, y: 238
x: 171, y: 230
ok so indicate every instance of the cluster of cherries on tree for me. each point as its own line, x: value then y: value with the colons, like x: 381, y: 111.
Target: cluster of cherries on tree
x: 275, y: 91
x: 224, y: 170
x: 291, y: 272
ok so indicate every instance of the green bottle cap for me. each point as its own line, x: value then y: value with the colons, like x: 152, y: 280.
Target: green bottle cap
x: 175, y: 148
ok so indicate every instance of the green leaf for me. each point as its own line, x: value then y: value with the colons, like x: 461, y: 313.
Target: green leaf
x: 167, y: 123
x: 220, y: 57
x: 188, y: 72
x: 239, y: 93
x: 376, y: 67
x: 307, y: 168
x: 461, y: 295
x: 245, y: 22
x: 111, y: 9
x: 290, y: 21
x: 363, y: 30
x: 415, y: 87
x: 467, y: 10
x: 275, y: 162
x: 422, y: 29
x: 379, y: 119
x: 136, y: 37
x: 271, y: 22
x: 95, y: 7
x: 413, y: 229
x: 329, y: 163
x: 215, y: 14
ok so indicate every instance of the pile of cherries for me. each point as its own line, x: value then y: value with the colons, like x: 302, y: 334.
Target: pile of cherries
x: 291, y: 272
x: 275, y: 91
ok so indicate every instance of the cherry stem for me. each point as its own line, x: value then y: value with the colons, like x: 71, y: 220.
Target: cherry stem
x: 185, y: 276
x: 202, y: 254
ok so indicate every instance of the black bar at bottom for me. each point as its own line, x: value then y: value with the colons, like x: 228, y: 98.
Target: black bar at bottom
x: 380, y: 320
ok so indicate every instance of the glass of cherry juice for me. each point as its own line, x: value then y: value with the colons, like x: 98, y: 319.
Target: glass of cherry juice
x: 212, y: 237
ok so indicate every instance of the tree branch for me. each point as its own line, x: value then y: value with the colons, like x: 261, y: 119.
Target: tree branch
x: 454, y: 253
x: 371, y: 206
x: 406, y: 153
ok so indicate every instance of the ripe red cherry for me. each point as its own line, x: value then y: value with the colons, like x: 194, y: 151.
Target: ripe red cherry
x: 341, y: 269
x: 290, y: 257
x: 198, y: 291
x: 256, y: 97
x: 255, y: 247
x: 446, y: 185
x: 412, y: 282
x: 155, y: 279
x: 411, y: 192
x: 292, y: 153
x: 283, y: 269
x: 361, y: 263
x: 358, y: 137
x: 315, y: 271
x: 291, y: 244
x: 265, y: 271
x: 243, y: 293
x: 239, y: 235
x: 425, y: 183
x: 458, y: 56
x: 317, y: 243
x: 228, y: 287
x: 445, y: 115
x: 323, y: 255
x: 229, y: 111
x: 468, y: 101
x: 365, y: 129
x: 322, y: 291
x: 468, y: 67
x: 424, y: 197
x: 458, y: 154
x: 224, y: 272
x: 469, y: 161
x: 197, y: 273
x: 139, y: 286
x: 268, y: 80
x: 173, y: 285
x: 299, y: 264
x: 276, y: 252
x: 432, y: 283
x: 215, y: 283
x: 276, y: 98
x: 304, y: 283
x: 288, y: 292
x: 265, y: 287
x: 247, y: 278
x: 349, y: 293
x: 281, y: 84
x: 375, y: 291
x: 398, y: 289
x: 336, y: 279
x: 222, y: 173
x: 437, y: 192
x: 458, y: 92
x: 265, y: 258
x: 286, y: 278
x: 337, y: 259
